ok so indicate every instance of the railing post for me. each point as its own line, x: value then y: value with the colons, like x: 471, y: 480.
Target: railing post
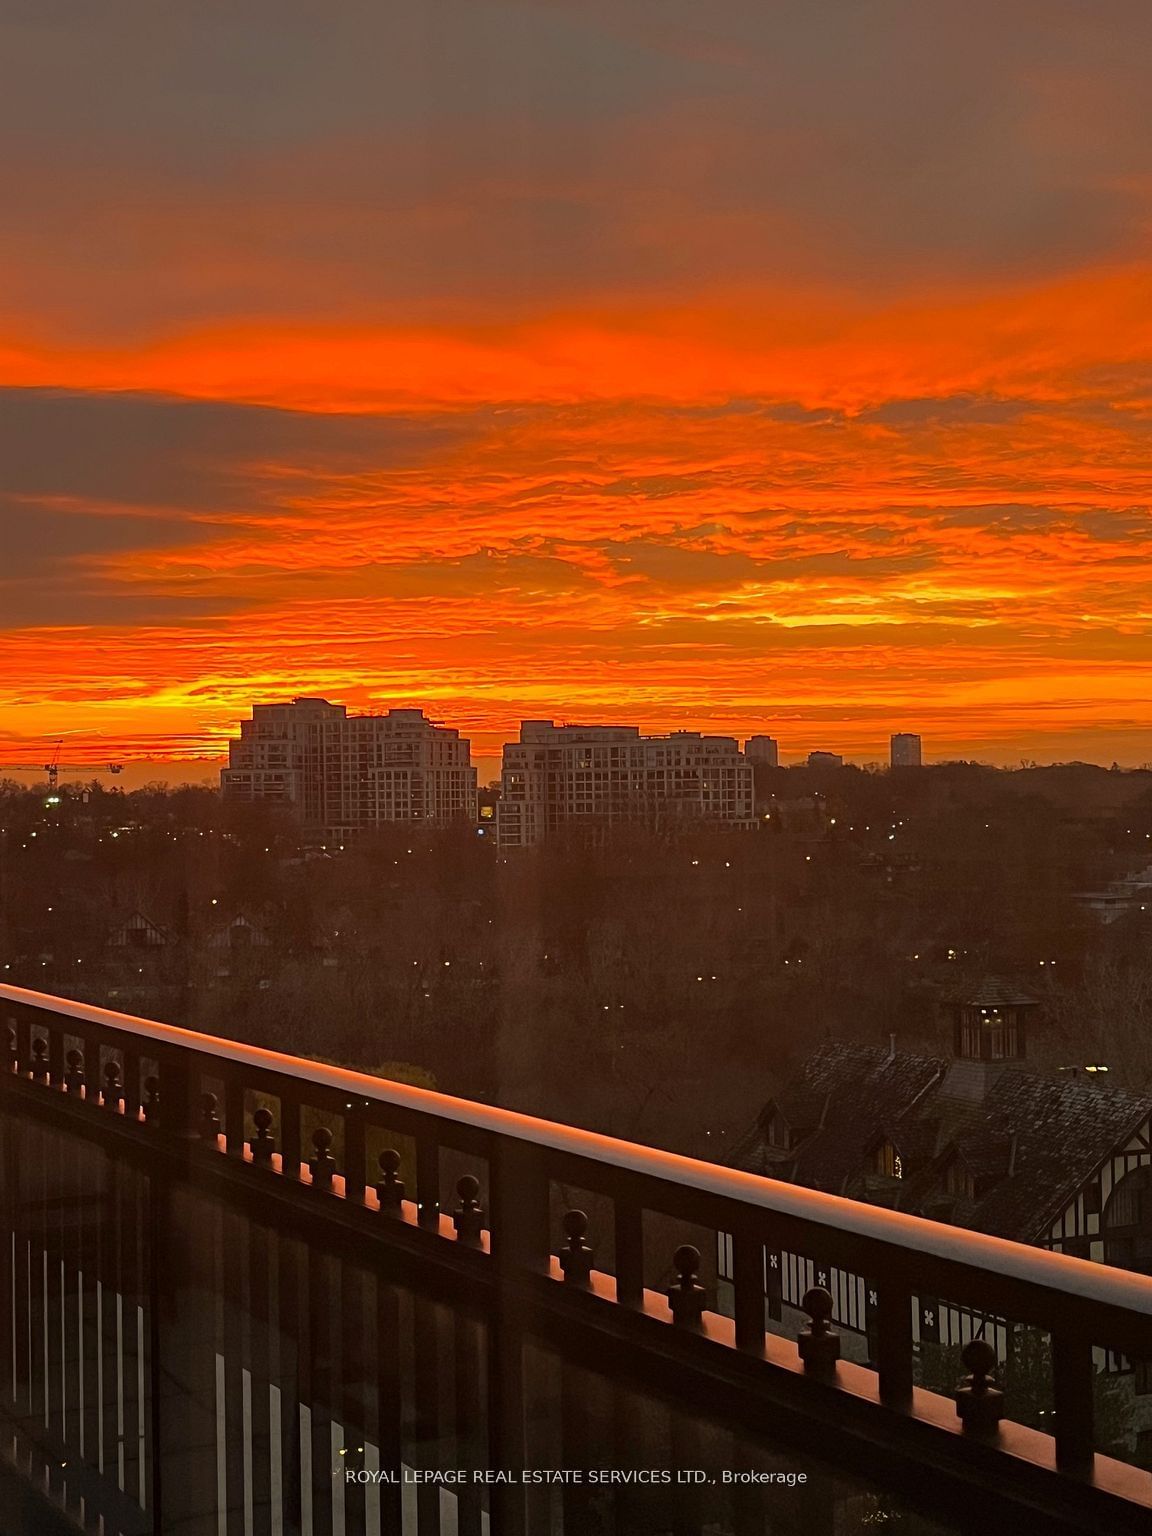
x: 427, y: 1179
x: 628, y: 1231
x: 894, y: 1357
x: 518, y: 1205
x: 1073, y: 1379
x: 355, y: 1155
x: 180, y: 1106
x: 748, y: 1287
x: 182, y: 1361
x: 290, y: 1157
x: 234, y: 1112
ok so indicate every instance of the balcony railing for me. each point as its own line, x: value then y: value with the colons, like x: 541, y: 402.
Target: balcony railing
x: 458, y: 1200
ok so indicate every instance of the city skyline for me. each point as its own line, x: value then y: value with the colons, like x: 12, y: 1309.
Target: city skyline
x: 796, y: 748
x: 537, y: 352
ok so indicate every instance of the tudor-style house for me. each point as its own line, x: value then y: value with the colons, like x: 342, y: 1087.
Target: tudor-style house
x: 976, y: 1138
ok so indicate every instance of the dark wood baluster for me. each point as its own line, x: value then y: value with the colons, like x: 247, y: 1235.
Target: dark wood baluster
x: 385, y: 1427
x: 1073, y: 1381
x: 73, y: 1218
x: 182, y: 1353
x: 135, y: 1327
x: 355, y: 1390
x: 687, y: 1451
x: 748, y: 1288
x: 231, y: 1288
x: 892, y: 1310
x: 91, y: 1174
x: 56, y: 1185
x: 261, y: 1243
x: 507, y: 1420
x: 9, y: 1246
x: 106, y: 1245
x: 628, y: 1227
x: 24, y: 1156
x: 579, y: 1410
x: 118, y: 1368
x: 469, y: 1447
x: 426, y: 1430
x: 287, y: 1349
x: 323, y: 1314
x: 36, y: 1278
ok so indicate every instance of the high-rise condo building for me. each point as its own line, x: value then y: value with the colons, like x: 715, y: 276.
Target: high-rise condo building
x: 557, y: 775
x: 763, y: 749
x: 906, y: 750
x: 343, y: 773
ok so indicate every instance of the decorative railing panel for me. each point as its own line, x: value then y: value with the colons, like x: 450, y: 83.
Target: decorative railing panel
x: 299, y: 1252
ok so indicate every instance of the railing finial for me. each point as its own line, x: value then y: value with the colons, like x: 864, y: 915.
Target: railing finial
x: 74, y: 1075
x: 576, y: 1257
x: 40, y: 1059
x: 818, y: 1343
x: 390, y: 1188
x: 979, y: 1401
x: 468, y: 1217
x: 113, y: 1095
x: 686, y: 1295
x: 263, y: 1144
x: 323, y: 1165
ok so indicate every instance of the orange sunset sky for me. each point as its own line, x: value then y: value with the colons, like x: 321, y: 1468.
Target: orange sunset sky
x: 765, y: 365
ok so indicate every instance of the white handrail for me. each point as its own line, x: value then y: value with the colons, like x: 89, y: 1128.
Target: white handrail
x: 1034, y: 1266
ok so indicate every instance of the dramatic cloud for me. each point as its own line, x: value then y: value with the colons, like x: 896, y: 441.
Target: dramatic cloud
x: 766, y: 366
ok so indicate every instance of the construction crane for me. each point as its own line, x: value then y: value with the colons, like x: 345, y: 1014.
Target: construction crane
x: 53, y: 768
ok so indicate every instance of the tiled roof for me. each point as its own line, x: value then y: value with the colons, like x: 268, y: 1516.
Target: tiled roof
x: 863, y: 1089
x: 1030, y: 1144
x: 991, y: 992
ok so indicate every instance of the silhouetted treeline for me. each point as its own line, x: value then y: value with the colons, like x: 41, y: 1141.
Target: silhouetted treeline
x: 654, y: 985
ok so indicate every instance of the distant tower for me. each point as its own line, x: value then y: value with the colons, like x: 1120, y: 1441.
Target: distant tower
x: 763, y: 749
x: 988, y: 1020
x: 906, y: 750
